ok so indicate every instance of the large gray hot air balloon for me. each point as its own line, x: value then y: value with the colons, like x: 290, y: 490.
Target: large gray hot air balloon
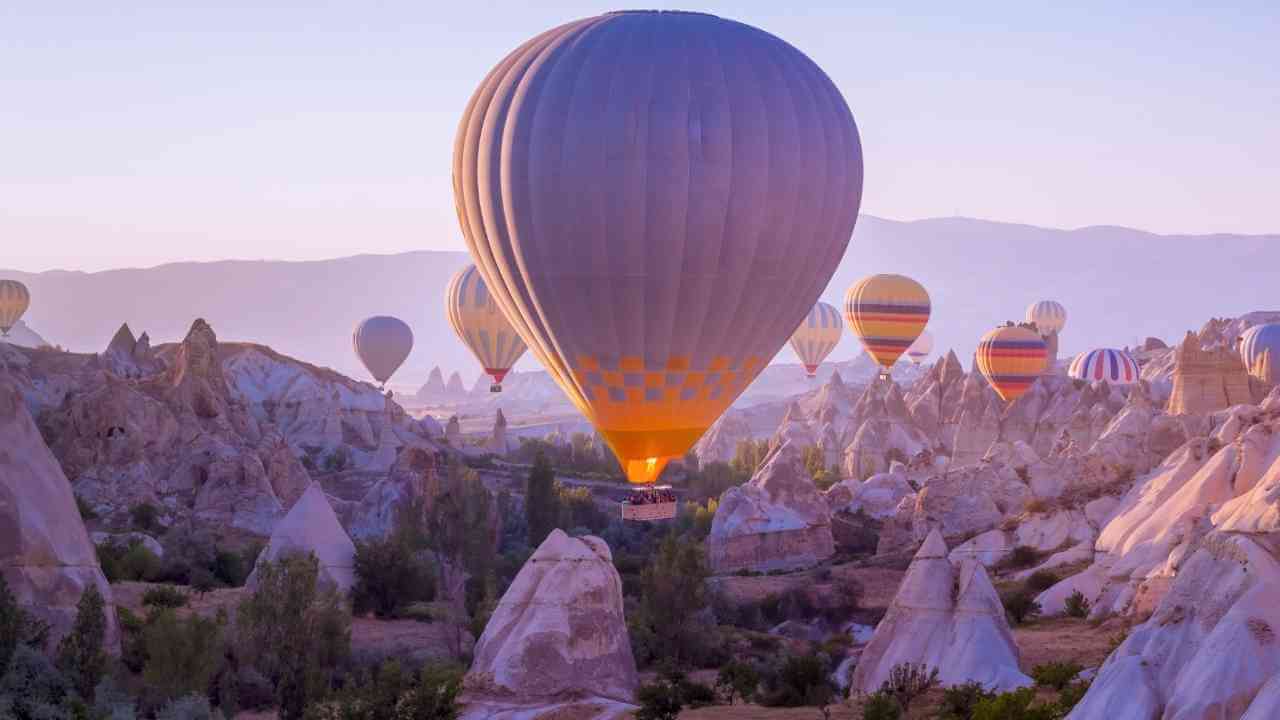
x: 656, y: 200
x: 382, y: 344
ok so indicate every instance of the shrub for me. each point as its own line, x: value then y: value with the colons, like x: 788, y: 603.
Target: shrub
x: 190, y: 707
x: 389, y: 574
x: 18, y: 628
x: 802, y: 680
x: 183, y: 655
x: 1076, y: 605
x: 392, y: 694
x: 1016, y: 705
x: 1041, y: 580
x: 1022, y: 556
x: 80, y: 653
x: 658, y: 701
x: 959, y: 701
x: 1070, y: 696
x: 145, y: 517
x: 1020, y: 606
x: 737, y: 679
x: 1035, y: 505
x: 292, y: 633
x: 164, y: 596
x: 1056, y: 675
x: 881, y: 706
x: 32, y: 687
x: 908, y: 681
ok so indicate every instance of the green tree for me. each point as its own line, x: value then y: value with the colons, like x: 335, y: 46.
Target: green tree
x: 659, y: 701
x: 737, y: 679
x: 80, y: 653
x: 293, y: 633
x: 18, y: 628
x: 541, y: 505
x: 673, y: 592
x: 183, y: 655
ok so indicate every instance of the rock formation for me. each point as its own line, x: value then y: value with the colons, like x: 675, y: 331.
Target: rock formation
x: 948, y: 618
x: 454, y: 389
x: 719, y: 443
x: 777, y: 520
x: 499, y: 443
x: 557, y: 637
x: 45, y: 554
x: 129, y: 357
x: 453, y: 432
x: 310, y: 527
x: 433, y: 390
x: 1205, y: 381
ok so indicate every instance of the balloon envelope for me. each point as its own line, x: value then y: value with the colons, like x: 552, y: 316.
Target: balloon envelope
x: 1011, y: 358
x: 1255, y: 343
x: 382, y: 344
x: 817, y: 336
x: 1049, y: 316
x: 14, y: 301
x: 887, y: 313
x: 921, y: 348
x: 656, y: 200
x: 480, y: 325
x: 1115, y: 366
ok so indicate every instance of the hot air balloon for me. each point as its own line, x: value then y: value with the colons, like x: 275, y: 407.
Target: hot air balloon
x: 1255, y: 343
x: 921, y: 348
x: 887, y: 313
x: 1115, y: 366
x: 1048, y: 316
x: 1011, y: 358
x: 655, y: 200
x: 481, y: 326
x: 382, y: 343
x: 817, y: 336
x: 14, y: 300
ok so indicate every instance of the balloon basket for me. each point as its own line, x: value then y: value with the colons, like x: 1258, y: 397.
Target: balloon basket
x: 650, y: 504
x: 495, y: 388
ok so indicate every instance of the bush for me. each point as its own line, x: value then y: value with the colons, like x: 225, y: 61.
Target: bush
x: 1070, y: 696
x: 658, y: 701
x: 1022, y: 556
x: 390, y: 574
x: 1020, y: 606
x: 32, y: 687
x: 959, y: 701
x: 1076, y: 605
x: 908, y: 681
x: 1016, y: 705
x: 146, y: 518
x: 86, y: 510
x: 1035, y: 505
x: 18, y: 628
x: 183, y: 655
x: 191, y: 707
x: 737, y: 679
x: 80, y: 653
x: 1041, y: 580
x: 390, y: 693
x: 164, y: 596
x: 1056, y: 675
x: 802, y: 680
x: 881, y: 706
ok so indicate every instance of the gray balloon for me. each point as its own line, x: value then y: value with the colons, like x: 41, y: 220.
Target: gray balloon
x: 382, y: 344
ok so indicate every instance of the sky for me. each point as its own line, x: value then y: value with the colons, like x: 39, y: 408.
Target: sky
x: 138, y: 133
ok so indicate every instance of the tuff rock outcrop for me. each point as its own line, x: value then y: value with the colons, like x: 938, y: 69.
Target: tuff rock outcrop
x: 947, y: 617
x: 1205, y: 381
x: 720, y: 441
x: 557, y: 639
x: 777, y: 520
x: 311, y: 527
x: 45, y: 554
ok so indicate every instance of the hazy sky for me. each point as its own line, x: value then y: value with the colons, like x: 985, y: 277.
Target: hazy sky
x: 135, y: 133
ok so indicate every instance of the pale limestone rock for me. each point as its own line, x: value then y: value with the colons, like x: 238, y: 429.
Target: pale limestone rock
x: 720, y: 442
x: 1049, y: 531
x: 878, y: 496
x: 499, y: 443
x: 557, y: 635
x: 311, y: 527
x: 45, y: 554
x: 777, y: 520
x: 453, y: 432
x: 989, y: 548
x: 946, y: 618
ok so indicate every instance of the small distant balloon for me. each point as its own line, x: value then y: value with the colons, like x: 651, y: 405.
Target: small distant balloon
x: 1117, y: 367
x: 382, y: 343
x: 1049, y: 316
x: 481, y: 326
x: 14, y: 301
x: 817, y: 336
x: 1011, y: 358
x: 1258, y: 343
x: 887, y: 313
x: 921, y: 348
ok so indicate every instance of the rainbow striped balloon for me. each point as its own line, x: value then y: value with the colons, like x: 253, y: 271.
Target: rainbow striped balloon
x: 1048, y: 315
x: 1256, y: 341
x: 1115, y: 366
x: 887, y: 313
x: 817, y: 336
x: 1011, y: 358
x: 14, y: 301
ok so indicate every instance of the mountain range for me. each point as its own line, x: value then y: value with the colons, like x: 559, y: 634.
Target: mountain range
x: 1118, y: 285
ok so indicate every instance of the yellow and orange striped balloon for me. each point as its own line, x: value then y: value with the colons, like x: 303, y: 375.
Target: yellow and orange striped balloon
x: 887, y: 313
x: 481, y: 326
x: 14, y: 300
x: 1011, y: 358
x: 817, y: 336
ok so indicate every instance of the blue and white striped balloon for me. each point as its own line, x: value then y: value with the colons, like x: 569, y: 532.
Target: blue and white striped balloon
x: 1256, y: 341
x: 1115, y: 366
x: 1048, y: 315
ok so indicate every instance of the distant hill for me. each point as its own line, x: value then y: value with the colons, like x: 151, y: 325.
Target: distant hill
x: 1119, y: 285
